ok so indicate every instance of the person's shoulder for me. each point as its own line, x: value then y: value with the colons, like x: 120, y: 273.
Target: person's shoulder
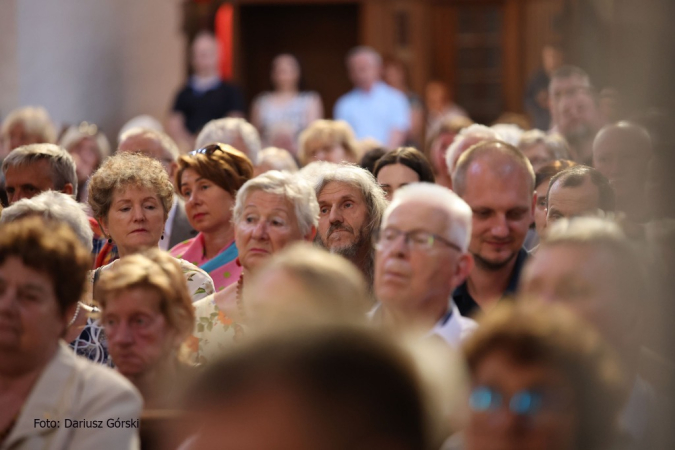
x: 178, y: 250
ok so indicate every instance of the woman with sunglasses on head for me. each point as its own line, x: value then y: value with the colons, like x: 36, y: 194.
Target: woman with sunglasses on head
x: 209, y: 179
x: 130, y: 196
x: 541, y: 380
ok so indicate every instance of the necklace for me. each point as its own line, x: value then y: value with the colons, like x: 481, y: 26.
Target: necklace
x: 77, y: 313
x: 240, y: 301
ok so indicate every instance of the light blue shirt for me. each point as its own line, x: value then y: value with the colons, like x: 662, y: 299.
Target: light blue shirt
x: 376, y: 113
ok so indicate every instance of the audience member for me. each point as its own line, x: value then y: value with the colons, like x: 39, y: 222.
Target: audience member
x: 415, y: 276
x: 209, y: 179
x: 130, y: 196
x: 371, y: 157
x: 147, y: 313
x: 158, y: 145
x: 578, y: 191
x: 497, y: 182
x: 439, y: 101
x: 315, y: 389
x: 43, y: 269
x: 400, y: 167
x: 541, y: 380
x: 282, y: 114
x: 36, y: 168
x: 622, y: 152
x: 205, y: 97
x: 89, y: 148
x: 328, y: 140
x: 565, y: 82
x: 541, y: 148
x: 373, y: 109
x: 304, y: 284
x: 537, y: 93
x: 232, y: 131
x: 271, y: 211
x: 465, y: 139
x: 351, y: 205
x: 25, y: 126
x: 395, y: 73
x: 438, y: 143
x: 588, y: 265
x: 274, y: 158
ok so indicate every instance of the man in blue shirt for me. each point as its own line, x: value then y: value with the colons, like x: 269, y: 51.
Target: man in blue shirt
x: 373, y: 109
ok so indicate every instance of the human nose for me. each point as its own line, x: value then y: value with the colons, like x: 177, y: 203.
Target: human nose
x: 7, y: 301
x: 122, y: 334
x: 500, y: 226
x: 139, y: 213
x: 335, y: 214
x: 260, y: 230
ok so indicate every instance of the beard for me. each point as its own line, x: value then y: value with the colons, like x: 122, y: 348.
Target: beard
x: 492, y: 266
x: 349, y: 250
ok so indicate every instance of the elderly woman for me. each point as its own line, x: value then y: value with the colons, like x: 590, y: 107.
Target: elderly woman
x: 147, y: 313
x: 209, y: 179
x: 405, y: 165
x: 282, y: 114
x: 89, y: 148
x: 541, y: 148
x: 51, y: 398
x: 130, y: 196
x: 304, y: 283
x: 542, y: 380
x: 328, y: 140
x: 233, y: 131
x: 271, y: 211
x: 273, y: 158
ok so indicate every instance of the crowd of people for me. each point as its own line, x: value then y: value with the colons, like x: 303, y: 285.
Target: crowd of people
x: 298, y: 282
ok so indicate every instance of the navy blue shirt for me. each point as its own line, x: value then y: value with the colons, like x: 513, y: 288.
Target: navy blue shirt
x: 198, y: 108
x: 467, y: 305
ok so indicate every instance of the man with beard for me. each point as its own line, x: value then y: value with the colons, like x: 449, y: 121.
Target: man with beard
x: 497, y: 182
x: 351, y: 204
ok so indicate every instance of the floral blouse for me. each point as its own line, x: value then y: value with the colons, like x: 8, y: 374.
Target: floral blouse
x: 214, y: 331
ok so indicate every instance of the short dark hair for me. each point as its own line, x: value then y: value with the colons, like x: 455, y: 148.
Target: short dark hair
x: 356, y: 383
x: 409, y: 157
x: 550, y: 169
x: 575, y: 176
x: 371, y: 157
x: 568, y: 71
x: 52, y: 248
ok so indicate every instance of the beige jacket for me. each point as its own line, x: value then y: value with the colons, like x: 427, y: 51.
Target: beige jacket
x: 77, y: 405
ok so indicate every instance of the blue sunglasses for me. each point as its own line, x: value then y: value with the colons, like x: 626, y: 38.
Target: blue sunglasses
x: 523, y: 403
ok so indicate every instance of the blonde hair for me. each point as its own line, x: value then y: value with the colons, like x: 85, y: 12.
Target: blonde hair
x: 35, y: 120
x: 156, y: 270
x: 334, y: 132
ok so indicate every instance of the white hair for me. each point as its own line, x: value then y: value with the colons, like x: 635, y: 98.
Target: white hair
x: 554, y: 143
x: 320, y: 173
x: 509, y: 132
x: 76, y: 133
x: 142, y: 121
x: 365, y: 50
x: 583, y: 230
x: 474, y: 131
x: 457, y: 210
x: 277, y: 158
x: 226, y: 131
x: 290, y: 186
x: 35, y: 121
x: 55, y: 206
x: 163, y: 139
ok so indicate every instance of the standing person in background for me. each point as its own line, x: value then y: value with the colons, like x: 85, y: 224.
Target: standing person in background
x: 536, y: 93
x: 89, y: 148
x: 395, y: 74
x: 282, y: 114
x: 373, y: 109
x: 205, y: 97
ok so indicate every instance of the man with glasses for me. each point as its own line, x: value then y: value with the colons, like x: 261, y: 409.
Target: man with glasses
x: 421, y: 257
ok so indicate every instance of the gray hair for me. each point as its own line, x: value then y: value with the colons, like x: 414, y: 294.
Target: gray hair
x: 278, y: 159
x: 474, y: 131
x: 457, y: 211
x: 55, y: 206
x: 290, y: 186
x: 61, y: 163
x: 226, y: 131
x: 163, y: 139
x: 321, y: 173
x: 35, y: 120
x: 554, y: 143
x: 365, y: 50
x: 76, y: 133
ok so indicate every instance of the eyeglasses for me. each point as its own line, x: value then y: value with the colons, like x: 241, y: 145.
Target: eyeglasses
x: 415, y: 239
x: 208, y: 150
x: 523, y: 403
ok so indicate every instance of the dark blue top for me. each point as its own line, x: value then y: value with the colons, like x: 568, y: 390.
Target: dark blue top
x: 198, y: 108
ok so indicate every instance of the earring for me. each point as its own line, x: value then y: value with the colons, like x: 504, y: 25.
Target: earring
x: 162, y: 238
x: 109, y: 240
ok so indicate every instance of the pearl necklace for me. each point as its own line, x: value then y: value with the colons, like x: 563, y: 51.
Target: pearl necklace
x: 77, y: 313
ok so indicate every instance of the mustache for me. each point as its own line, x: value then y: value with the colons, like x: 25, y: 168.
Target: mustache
x: 338, y: 226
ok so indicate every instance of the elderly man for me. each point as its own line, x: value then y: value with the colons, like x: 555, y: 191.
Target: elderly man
x: 622, y: 152
x: 497, y: 181
x: 161, y: 147
x: 588, y: 265
x: 422, y: 256
x: 35, y: 168
x: 205, y: 97
x: 578, y: 191
x: 467, y: 137
x: 373, y: 109
x: 351, y: 204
